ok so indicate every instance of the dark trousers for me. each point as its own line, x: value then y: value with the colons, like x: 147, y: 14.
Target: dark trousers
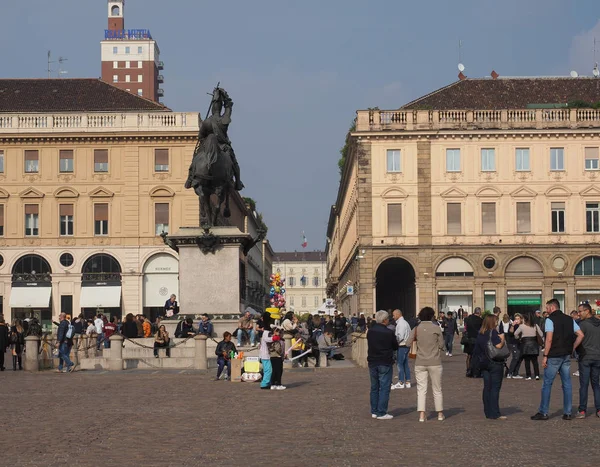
x: 589, y: 370
x: 2, y: 353
x: 536, y: 366
x: 516, y: 359
x: 158, y: 345
x: 492, y: 382
x: 222, y: 363
x: 277, y: 366
x: 317, y: 354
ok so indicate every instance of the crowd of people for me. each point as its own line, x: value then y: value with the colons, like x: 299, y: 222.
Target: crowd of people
x: 496, y: 345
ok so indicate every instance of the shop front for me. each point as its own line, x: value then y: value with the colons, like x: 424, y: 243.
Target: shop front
x: 452, y: 300
x: 101, y: 287
x: 590, y: 296
x: 523, y: 301
x: 161, y: 280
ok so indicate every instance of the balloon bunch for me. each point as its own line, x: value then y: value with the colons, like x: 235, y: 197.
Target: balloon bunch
x: 277, y: 292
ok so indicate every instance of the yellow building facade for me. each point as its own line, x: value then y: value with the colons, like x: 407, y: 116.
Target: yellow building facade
x: 482, y: 193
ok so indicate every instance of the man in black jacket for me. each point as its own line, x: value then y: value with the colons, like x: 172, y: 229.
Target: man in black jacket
x: 472, y: 327
x: 382, y: 344
x: 561, y: 333
x: 589, y: 358
x: 64, y: 344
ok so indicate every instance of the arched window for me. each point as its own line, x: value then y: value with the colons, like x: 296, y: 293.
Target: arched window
x: 115, y: 10
x: 453, y: 267
x: 101, y: 268
x: 31, y: 268
x: 524, y: 267
x: 589, y: 266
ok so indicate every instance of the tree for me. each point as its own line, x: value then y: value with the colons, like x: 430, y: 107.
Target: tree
x: 344, y: 150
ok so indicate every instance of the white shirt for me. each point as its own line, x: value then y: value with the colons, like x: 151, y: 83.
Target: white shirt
x: 99, y: 324
x: 264, y: 348
x: 402, y: 331
x: 90, y: 330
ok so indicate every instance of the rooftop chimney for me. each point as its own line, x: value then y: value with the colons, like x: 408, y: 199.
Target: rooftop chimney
x: 494, y: 74
x: 461, y: 76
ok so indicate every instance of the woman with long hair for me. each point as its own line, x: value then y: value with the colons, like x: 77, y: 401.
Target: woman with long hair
x: 428, y: 363
x: 17, y: 343
x: 530, y: 350
x: 161, y: 341
x: 514, y: 347
x: 491, y: 370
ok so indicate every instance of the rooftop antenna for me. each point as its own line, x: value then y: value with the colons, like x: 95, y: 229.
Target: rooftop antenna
x: 61, y: 60
x: 50, y: 62
x: 574, y: 74
x: 595, y: 71
x: 461, y: 67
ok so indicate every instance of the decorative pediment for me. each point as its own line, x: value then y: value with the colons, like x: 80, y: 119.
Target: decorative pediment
x: 31, y: 193
x: 558, y: 191
x: 523, y: 192
x: 453, y: 193
x: 394, y: 193
x: 4, y: 194
x: 101, y: 192
x: 66, y: 192
x: 590, y: 191
x: 161, y: 192
x: 488, y: 192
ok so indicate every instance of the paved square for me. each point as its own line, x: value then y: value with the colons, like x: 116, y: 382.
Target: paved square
x: 143, y: 418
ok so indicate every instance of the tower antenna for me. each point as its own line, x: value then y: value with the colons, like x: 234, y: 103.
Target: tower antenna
x: 61, y: 60
x: 50, y: 62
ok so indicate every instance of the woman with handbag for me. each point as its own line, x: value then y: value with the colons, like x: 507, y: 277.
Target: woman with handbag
x: 531, y: 336
x: 428, y: 363
x: 17, y: 343
x: 491, y: 352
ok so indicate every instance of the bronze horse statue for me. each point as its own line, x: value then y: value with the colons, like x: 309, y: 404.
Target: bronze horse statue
x: 214, y: 165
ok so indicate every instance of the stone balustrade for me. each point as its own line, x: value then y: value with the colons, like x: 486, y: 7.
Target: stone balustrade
x: 414, y: 120
x: 98, y: 122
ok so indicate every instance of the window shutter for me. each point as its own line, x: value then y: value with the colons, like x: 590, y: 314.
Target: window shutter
x: 591, y: 153
x: 100, y: 156
x: 31, y: 155
x: 523, y: 217
x: 66, y: 154
x: 101, y: 212
x: 453, y: 217
x: 66, y: 209
x: 32, y: 209
x: 488, y: 218
x: 394, y: 219
x: 161, y: 157
x: 558, y: 205
x: 161, y: 213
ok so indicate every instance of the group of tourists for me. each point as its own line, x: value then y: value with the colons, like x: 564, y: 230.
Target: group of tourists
x: 489, y: 342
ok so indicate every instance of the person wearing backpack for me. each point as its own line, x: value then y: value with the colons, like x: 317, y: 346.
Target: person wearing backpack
x: 491, y: 363
x: 64, y: 343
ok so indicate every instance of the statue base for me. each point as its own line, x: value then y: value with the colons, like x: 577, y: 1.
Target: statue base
x: 210, y: 269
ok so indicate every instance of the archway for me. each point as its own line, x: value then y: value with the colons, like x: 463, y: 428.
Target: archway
x: 395, y: 287
x: 31, y: 290
x: 161, y: 280
x: 520, y: 300
x: 101, y: 286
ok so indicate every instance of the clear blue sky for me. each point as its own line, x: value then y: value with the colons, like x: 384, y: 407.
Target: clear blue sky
x: 298, y: 71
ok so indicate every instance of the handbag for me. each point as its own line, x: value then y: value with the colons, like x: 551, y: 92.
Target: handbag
x: 464, y: 340
x: 496, y: 354
x: 540, y: 339
x: 412, y: 353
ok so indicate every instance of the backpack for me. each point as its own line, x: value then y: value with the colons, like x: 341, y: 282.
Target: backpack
x: 70, y: 332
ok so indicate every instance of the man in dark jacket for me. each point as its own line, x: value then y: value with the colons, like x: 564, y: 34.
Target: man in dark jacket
x: 64, y: 344
x: 3, y: 342
x: 450, y: 328
x: 185, y: 328
x: 472, y: 327
x: 588, y: 348
x: 382, y: 344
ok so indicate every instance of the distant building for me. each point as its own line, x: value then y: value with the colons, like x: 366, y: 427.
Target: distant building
x: 481, y: 193
x: 305, y: 274
x: 130, y: 57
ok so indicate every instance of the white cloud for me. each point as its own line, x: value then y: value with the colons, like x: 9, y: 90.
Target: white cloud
x: 581, y: 54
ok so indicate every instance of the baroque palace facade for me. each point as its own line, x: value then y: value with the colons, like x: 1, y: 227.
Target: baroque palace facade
x: 90, y: 176
x: 482, y: 193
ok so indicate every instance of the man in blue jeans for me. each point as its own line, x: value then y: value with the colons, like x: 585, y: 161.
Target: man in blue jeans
x: 382, y: 344
x: 402, y: 335
x: 589, y: 359
x: 64, y: 344
x: 561, y: 333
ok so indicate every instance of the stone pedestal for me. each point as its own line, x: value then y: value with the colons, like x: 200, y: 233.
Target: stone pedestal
x: 201, y: 360
x: 31, y: 362
x: 209, y: 269
x: 115, y: 363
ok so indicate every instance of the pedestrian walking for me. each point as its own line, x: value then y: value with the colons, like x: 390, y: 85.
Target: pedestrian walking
x: 589, y: 359
x: 428, y: 362
x: 472, y: 327
x: 381, y: 344
x: 17, y: 343
x: 528, y: 335
x: 561, y: 332
x: 450, y: 329
x: 4, y: 342
x: 64, y: 342
x: 492, y: 370
x: 514, y: 347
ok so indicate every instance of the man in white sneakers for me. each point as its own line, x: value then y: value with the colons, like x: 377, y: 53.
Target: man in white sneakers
x: 402, y: 334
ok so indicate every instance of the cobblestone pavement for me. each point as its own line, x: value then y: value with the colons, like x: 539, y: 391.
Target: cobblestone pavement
x: 174, y: 418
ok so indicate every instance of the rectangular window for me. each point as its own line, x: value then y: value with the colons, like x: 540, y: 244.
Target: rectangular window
x: 592, y: 217
x: 1, y: 161
x: 66, y: 304
x: 140, y: 92
x: 127, y: 50
x: 161, y: 218
x: 292, y: 281
x: 315, y: 282
x: 393, y: 161
x: 591, y: 159
x: 115, y: 50
x: 489, y: 300
x: 140, y: 50
x: 66, y: 219
x: 488, y: 160
x: 523, y: 217
x: 557, y: 159
x: 558, y: 217
x: 394, y: 220
x: 100, y: 219
x: 31, y: 161
x: 139, y: 64
x: 303, y: 300
x: 488, y: 218
x: 453, y: 218
x: 115, y: 78
x: 128, y: 64
x: 127, y: 79
x: 560, y: 296
x: 452, y: 160
x: 32, y: 220
x: 100, y: 160
x: 292, y: 300
x: 115, y: 65
x: 161, y: 160
x: 65, y: 164
x: 1, y: 220
x: 140, y: 78
x: 522, y: 160
x: 316, y: 300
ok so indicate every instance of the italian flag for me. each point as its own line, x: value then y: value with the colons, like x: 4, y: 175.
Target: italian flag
x: 304, y: 241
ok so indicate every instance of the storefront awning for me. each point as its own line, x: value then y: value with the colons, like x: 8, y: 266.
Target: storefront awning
x: 100, y: 297
x: 455, y: 292
x: 30, y: 297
